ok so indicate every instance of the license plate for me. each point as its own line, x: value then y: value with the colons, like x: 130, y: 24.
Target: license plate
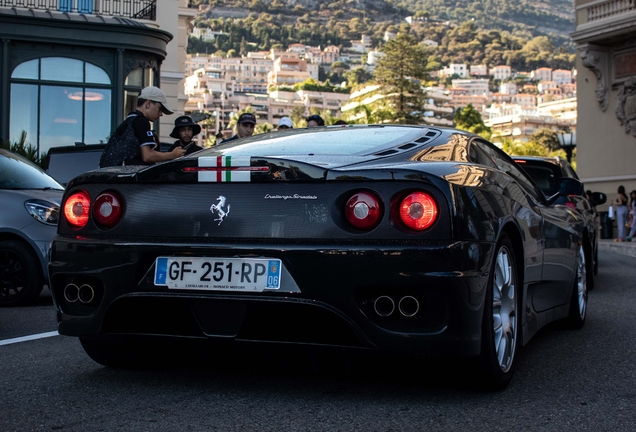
x: 218, y: 274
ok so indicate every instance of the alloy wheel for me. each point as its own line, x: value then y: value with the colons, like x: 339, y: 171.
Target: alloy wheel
x: 504, y: 310
x: 13, y: 275
x: 581, y: 282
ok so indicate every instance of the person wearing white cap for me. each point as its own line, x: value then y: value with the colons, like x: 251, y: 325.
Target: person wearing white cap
x: 285, y: 123
x: 134, y: 141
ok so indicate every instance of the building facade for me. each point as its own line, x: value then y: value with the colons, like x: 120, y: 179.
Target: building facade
x: 605, y: 38
x: 71, y: 71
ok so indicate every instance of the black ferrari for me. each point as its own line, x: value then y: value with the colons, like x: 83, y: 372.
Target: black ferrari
x: 403, y: 240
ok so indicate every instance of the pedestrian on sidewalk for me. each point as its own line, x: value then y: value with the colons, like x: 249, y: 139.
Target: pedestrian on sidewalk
x: 632, y: 215
x: 620, y: 202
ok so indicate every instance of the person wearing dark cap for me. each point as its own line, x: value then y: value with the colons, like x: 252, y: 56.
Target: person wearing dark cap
x: 315, y: 121
x: 244, y: 126
x: 133, y: 141
x: 185, y: 129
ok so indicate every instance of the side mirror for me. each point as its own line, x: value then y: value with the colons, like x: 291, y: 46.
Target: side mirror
x: 598, y: 198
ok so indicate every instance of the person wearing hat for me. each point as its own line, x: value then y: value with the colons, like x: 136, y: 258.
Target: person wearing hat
x: 315, y: 121
x: 244, y: 126
x: 137, y: 147
x: 285, y: 123
x: 185, y: 129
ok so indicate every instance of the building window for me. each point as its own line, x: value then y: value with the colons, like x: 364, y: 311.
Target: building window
x: 135, y: 82
x: 59, y: 101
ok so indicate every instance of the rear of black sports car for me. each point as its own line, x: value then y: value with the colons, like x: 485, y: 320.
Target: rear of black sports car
x: 362, y: 253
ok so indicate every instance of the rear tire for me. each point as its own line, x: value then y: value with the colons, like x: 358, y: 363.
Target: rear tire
x: 578, y: 299
x: 500, y: 324
x: 21, y: 278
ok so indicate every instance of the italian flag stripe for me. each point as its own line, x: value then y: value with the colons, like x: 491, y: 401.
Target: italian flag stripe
x: 220, y: 176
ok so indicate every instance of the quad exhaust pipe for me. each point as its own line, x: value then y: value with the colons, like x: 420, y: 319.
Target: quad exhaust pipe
x: 408, y: 306
x: 84, y: 293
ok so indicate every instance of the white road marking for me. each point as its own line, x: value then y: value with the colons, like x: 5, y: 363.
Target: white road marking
x: 28, y: 338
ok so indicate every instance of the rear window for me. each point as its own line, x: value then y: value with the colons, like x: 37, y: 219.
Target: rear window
x: 545, y: 174
x: 17, y: 173
x: 327, y: 141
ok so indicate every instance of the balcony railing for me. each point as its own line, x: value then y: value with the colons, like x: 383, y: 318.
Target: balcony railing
x: 135, y: 9
x: 600, y: 10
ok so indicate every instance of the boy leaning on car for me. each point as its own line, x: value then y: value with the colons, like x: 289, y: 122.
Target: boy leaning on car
x: 132, y: 143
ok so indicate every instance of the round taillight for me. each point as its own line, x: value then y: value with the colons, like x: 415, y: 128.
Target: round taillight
x: 363, y: 210
x: 418, y: 211
x: 76, y: 209
x: 107, y: 209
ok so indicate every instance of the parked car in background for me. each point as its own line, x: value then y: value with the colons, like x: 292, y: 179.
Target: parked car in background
x: 29, y: 209
x: 400, y: 240
x: 65, y: 163
x: 547, y: 172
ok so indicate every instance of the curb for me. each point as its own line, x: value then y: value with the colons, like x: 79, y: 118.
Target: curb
x: 622, y: 248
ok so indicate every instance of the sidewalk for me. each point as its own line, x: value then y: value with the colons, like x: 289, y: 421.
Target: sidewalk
x: 623, y: 248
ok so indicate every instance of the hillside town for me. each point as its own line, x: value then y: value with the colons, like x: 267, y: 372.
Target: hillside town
x: 514, y: 104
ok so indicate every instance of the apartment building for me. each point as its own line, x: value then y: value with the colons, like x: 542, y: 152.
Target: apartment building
x: 478, y: 70
x: 562, y: 76
x: 459, y: 100
x: 291, y: 70
x: 501, y: 73
x: 209, y: 90
x: 361, y: 46
x: 473, y: 87
x: 544, y: 86
x: 519, y: 123
x: 541, y: 74
x: 524, y: 99
x: 205, y: 33
x: 330, y: 54
x: 246, y: 74
x: 458, y: 69
x: 508, y: 88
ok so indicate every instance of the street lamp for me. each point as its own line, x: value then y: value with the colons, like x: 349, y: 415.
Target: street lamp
x: 567, y: 141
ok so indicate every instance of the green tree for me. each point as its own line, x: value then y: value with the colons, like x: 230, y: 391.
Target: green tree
x: 530, y: 148
x: 357, y: 76
x: 547, y: 138
x: 399, y: 73
x: 468, y: 118
x: 298, y: 116
x: 25, y: 149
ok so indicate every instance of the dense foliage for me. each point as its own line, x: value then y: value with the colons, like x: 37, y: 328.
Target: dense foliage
x: 490, y: 32
x: 549, y: 17
x: 25, y: 149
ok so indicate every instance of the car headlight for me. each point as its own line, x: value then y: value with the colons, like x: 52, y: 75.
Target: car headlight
x: 43, y: 211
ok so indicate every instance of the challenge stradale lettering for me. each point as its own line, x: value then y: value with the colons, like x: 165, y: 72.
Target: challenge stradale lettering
x: 295, y: 196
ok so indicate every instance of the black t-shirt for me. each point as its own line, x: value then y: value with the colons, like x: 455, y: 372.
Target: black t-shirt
x: 193, y: 148
x: 230, y: 139
x: 141, y: 126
